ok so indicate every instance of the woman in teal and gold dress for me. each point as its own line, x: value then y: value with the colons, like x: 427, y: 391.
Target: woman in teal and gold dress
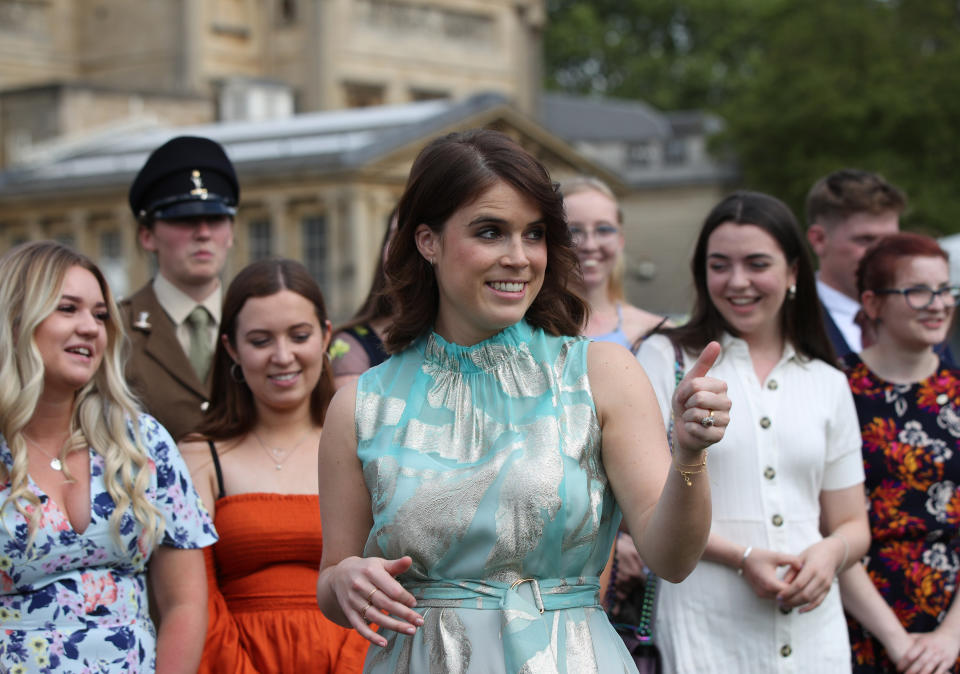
x: 471, y: 485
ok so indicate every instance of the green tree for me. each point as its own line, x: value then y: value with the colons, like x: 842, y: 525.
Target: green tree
x: 804, y: 86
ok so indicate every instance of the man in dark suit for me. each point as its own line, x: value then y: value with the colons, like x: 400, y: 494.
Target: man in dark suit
x: 847, y: 212
x: 184, y: 199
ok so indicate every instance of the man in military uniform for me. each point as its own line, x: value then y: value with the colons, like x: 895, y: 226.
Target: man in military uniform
x: 184, y: 199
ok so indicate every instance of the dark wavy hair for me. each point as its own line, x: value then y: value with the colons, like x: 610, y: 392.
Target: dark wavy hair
x: 232, y: 411
x: 448, y: 174
x: 802, y: 317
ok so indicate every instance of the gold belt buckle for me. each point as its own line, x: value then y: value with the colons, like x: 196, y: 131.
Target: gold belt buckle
x: 535, y: 588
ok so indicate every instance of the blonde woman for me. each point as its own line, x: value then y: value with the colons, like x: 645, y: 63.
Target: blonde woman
x: 596, y: 226
x: 95, y: 501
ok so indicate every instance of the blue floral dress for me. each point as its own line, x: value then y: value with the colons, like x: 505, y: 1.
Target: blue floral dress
x: 484, y: 465
x: 78, y: 602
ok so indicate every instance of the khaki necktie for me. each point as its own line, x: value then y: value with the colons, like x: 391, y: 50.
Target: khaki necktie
x: 201, y: 350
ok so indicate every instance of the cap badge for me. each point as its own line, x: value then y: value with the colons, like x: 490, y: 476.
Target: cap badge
x: 198, y: 188
x: 142, y: 322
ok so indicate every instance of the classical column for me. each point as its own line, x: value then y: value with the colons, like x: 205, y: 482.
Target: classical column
x: 358, y: 226
x: 276, y: 206
x: 83, y: 240
x: 333, y: 209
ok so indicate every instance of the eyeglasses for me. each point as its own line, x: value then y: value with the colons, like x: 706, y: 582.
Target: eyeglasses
x: 602, y: 233
x: 921, y: 297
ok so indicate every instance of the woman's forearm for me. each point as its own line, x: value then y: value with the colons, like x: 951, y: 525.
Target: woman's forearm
x: 862, y: 600
x: 180, y: 638
x: 677, y: 532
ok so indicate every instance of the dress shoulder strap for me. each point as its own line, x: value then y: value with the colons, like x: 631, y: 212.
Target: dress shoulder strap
x: 619, y: 317
x: 216, y: 467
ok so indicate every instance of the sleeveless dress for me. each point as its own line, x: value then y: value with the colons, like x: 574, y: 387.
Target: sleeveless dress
x: 483, y: 464
x: 618, y: 336
x: 77, y: 602
x: 262, y: 587
x: 911, y: 453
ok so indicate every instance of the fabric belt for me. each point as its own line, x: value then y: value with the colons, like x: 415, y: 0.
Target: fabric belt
x: 531, y: 594
x: 527, y: 606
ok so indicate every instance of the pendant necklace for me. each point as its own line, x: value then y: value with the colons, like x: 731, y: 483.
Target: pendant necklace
x: 55, y: 461
x: 275, y: 453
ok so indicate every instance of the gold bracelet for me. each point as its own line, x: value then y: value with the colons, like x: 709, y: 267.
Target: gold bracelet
x: 688, y: 469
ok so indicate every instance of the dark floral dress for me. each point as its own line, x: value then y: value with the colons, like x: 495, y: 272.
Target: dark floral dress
x: 911, y: 455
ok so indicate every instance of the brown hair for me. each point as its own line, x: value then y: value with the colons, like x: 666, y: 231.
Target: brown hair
x: 878, y: 267
x: 232, y: 411
x: 449, y: 173
x: 802, y: 320
x: 847, y: 192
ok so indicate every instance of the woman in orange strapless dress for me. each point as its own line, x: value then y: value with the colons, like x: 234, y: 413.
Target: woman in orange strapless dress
x: 254, y: 461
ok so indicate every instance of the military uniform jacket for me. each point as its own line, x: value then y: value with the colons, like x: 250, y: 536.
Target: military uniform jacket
x: 159, y: 372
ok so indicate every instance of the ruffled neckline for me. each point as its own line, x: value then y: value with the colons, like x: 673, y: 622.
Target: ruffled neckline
x: 485, y: 356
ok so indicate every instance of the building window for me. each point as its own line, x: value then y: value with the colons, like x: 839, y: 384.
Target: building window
x: 286, y: 12
x: 112, y: 262
x: 65, y: 240
x: 639, y: 155
x: 111, y: 245
x: 428, y: 94
x: 314, y: 240
x: 261, y: 239
x: 675, y: 151
x: 359, y: 95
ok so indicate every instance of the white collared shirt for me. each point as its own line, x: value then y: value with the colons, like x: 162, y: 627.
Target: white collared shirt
x: 843, y: 311
x: 178, y: 306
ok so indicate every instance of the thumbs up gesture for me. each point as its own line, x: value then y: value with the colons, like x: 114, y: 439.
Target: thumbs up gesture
x: 701, y: 408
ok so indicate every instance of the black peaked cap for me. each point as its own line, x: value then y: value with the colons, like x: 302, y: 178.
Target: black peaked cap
x: 187, y: 176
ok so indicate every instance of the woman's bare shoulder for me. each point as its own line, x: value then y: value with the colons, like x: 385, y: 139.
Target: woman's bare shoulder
x: 638, y: 322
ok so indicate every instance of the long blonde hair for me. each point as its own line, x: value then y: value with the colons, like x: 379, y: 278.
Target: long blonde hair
x: 105, y: 413
x: 590, y: 184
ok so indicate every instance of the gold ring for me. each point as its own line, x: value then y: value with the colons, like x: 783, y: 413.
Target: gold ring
x: 363, y: 613
x: 372, y: 592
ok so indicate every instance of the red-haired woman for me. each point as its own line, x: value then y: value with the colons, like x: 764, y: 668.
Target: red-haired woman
x: 902, y: 598
x: 255, y: 465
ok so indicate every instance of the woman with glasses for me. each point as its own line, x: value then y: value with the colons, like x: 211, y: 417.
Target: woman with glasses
x: 900, y: 600
x: 596, y: 226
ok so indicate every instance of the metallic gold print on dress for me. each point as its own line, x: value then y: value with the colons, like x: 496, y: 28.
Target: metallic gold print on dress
x: 439, y: 513
x: 374, y: 411
x: 529, y: 494
x: 380, y: 476
x: 582, y: 383
x: 464, y: 440
x: 519, y: 373
x: 451, y: 651
x: 580, y: 650
x: 544, y: 662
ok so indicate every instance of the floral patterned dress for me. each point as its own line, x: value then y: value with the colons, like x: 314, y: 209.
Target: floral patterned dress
x: 77, y: 602
x: 911, y: 454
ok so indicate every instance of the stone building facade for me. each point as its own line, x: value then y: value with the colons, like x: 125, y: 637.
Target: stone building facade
x: 88, y: 87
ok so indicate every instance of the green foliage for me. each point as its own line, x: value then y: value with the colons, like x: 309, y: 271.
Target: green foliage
x: 805, y: 86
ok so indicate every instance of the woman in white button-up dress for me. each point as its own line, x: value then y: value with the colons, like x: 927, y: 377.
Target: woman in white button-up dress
x: 787, y: 479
